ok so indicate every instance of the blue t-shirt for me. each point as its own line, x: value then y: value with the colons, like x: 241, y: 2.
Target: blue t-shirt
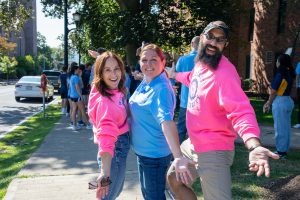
x: 277, y: 81
x: 297, y: 72
x: 185, y: 64
x: 150, y: 105
x: 73, y: 81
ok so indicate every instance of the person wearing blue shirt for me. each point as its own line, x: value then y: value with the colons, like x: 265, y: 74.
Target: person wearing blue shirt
x: 282, y: 103
x: 185, y: 64
x: 154, y: 133
x: 297, y: 71
x: 76, y: 98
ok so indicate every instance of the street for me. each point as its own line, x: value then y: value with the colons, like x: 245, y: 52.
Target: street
x: 12, y: 112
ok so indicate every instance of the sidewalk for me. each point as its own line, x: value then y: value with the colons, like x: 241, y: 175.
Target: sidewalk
x: 62, y: 167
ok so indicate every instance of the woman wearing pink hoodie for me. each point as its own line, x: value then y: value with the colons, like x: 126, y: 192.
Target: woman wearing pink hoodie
x: 107, y: 109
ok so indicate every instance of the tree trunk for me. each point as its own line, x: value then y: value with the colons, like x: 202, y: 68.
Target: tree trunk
x: 130, y: 54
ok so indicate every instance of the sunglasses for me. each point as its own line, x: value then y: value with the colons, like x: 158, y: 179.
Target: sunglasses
x: 104, y: 182
x: 220, y: 40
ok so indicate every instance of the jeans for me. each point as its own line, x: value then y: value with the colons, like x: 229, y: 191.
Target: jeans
x: 181, y: 124
x: 118, y: 166
x: 152, y: 174
x: 282, y: 108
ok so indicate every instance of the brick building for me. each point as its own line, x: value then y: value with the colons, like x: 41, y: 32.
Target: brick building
x: 260, y: 33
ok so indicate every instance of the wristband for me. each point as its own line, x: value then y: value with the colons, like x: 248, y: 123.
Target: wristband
x: 254, y: 147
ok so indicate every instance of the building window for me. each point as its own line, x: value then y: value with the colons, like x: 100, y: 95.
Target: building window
x: 269, y: 57
x: 281, y: 16
x: 251, y: 24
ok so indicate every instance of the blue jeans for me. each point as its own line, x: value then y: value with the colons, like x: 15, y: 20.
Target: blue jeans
x: 118, y: 166
x: 282, y: 108
x: 181, y: 124
x: 152, y: 174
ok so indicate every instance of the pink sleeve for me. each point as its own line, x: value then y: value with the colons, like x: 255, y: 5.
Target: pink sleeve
x: 238, y: 108
x: 105, y: 128
x: 184, y: 77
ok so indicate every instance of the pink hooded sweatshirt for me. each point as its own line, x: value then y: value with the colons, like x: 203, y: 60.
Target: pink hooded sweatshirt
x: 109, y: 118
x: 217, y: 107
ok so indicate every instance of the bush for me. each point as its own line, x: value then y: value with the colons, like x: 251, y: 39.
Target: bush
x: 26, y: 66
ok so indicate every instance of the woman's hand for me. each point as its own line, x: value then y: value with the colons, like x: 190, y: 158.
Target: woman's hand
x: 103, y: 183
x: 92, y: 53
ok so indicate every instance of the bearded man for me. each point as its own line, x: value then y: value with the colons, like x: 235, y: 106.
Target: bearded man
x: 217, y: 109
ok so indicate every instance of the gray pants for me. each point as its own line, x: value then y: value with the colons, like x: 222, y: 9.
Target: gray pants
x: 213, y: 168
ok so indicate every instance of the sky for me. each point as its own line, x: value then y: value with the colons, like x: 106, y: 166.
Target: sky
x: 49, y: 27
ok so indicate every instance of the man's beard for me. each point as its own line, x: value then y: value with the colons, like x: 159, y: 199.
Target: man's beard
x: 211, y: 60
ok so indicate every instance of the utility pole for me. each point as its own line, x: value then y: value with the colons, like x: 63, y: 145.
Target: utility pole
x: 66, y: 32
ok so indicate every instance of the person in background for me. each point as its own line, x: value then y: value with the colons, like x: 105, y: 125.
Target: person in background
x: 94, y: 54
x: 128, y: 80
x: 217, y: 110
x: 86, y: 85
x: 76, y: 98
x: 185, y: 64
x: 282, y: 103
x: 107, y: 109
x: 153, y: 131
x: 137, y: 75
x: 64, y: 89
x: 297, y: 71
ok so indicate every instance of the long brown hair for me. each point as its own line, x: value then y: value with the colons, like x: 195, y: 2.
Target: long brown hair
x: 98, y: 74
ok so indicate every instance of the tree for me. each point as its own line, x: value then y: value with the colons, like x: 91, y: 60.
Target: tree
x: 7, y: 66
x: 13, y: 15
x: 44, y: 58
x: 5, y: 46
x: 122, y: 25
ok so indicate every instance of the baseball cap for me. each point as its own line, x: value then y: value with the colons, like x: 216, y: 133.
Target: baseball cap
x: 217, y: 24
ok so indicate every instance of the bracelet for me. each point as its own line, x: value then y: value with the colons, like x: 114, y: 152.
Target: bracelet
x: 254, y: 147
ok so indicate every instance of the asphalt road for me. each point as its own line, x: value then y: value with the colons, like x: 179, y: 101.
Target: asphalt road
x: 12, y: 112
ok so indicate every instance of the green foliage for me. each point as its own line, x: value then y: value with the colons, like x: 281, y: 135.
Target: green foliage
x: 26, y: 66
x: 17, y: 146
x: 44, y: 59
x: 13, y: 15
x: 7, y: 66
x: 122, y: 25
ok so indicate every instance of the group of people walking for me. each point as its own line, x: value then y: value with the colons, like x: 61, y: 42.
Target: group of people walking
x: 213, y: 110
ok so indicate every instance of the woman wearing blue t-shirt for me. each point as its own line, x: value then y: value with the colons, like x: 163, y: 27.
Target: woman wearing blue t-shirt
x: 154, y: 133
x: 282, y: 103
x: 76, y: 98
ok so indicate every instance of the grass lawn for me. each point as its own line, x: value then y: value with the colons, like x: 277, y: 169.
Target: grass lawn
x: 246, y: 185
x: 17, y: 146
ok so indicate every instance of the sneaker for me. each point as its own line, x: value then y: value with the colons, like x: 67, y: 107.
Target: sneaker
x: 89, y: 126
x: 75, y: 128
x: 282, y: 155
x: 296, y: 126
x: 81, y: 123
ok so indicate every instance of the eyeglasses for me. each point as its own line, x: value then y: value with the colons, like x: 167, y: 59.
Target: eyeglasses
x: 220, y: 40
x: 104, y: 182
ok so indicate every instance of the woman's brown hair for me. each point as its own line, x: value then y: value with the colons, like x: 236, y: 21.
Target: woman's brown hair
x: 98, y: 74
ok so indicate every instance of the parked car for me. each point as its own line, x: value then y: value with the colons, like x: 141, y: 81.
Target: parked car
x: 53, y: 76
x: 30, y: 87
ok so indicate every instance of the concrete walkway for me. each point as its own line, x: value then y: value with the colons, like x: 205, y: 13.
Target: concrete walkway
x: 62, y: 167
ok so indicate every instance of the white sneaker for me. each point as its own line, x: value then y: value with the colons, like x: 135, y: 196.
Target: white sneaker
x: 89, y: 126
x: 75, y: 128
x: 296, y: 126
